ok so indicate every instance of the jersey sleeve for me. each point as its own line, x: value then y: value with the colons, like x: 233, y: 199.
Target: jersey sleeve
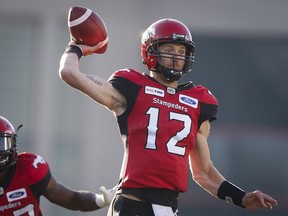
x: 125, y: 82
x: 208, y: 106
x: 37, y: 170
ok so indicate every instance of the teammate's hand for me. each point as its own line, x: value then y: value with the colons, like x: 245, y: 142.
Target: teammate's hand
x: 257, y: 199
x: 104, y: 199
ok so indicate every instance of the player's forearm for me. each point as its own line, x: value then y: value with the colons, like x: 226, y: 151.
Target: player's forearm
x: 210, y: 180
x: 68, y: 69
x: 218, y: 186
x: 82, y: 201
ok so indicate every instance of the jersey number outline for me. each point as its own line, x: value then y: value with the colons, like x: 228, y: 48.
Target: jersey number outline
x: 172, y: 143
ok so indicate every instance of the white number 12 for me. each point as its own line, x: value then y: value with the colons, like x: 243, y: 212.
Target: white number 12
x: 172, y: 143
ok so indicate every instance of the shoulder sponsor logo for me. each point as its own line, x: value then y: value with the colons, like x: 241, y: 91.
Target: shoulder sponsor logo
x: 154, y: 91
x: 16, y: 195
x: 193, y: 102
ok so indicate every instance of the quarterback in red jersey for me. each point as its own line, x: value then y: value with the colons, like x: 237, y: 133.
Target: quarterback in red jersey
x: 25, y: 177
x: 161, y: 127
x: 164, y: 125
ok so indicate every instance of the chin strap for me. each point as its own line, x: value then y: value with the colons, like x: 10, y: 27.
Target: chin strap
x: 168, y: 73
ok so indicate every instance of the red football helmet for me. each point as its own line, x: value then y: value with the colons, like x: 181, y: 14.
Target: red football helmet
x: 8, y: 145
x: 166, y: 31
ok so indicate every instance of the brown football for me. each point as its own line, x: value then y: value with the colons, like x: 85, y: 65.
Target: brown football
x: 87, y: 27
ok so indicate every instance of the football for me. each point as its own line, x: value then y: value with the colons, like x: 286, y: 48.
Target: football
x: 87, y: 27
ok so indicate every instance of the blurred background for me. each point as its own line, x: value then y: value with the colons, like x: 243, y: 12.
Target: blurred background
x: 241, y: 56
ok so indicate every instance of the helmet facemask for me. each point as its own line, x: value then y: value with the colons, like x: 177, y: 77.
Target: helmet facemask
x: 171, y: 73
x: 8, y: 144
x: 8, y: 150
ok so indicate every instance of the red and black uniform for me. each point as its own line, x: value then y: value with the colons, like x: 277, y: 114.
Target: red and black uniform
x: 159, y: 127
x: 21, y: 193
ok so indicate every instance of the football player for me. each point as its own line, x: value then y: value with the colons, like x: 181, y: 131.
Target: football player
x: 164, y: 124
x: 24, y: 177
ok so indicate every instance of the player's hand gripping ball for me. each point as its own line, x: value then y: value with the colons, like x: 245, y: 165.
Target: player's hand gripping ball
x: 87, y: 27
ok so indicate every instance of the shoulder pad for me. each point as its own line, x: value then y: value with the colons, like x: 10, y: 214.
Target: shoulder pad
x: 34, y: 165
x: 207, y: 96
x: 127, y: 74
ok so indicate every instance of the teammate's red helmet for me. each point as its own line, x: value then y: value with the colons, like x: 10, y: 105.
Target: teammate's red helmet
x: 166, y: 31
x: 8, y: 145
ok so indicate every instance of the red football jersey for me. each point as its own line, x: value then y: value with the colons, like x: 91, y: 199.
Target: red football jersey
x: 159, y: 129
x: 21, y: 195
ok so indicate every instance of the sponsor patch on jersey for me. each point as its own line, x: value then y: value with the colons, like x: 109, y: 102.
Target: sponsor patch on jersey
x: 154, y: 91
x: 16, y: 195
x: 193, y: 102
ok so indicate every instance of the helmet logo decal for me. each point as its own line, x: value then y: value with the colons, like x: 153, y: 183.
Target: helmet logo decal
x: 179, y: 37
x: 38, y: 160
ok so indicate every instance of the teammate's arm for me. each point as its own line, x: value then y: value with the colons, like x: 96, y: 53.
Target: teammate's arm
x: 75, y: 200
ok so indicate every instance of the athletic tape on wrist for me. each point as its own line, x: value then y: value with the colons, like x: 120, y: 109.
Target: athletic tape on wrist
x: 74, y: 49
x: 231, y: 193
